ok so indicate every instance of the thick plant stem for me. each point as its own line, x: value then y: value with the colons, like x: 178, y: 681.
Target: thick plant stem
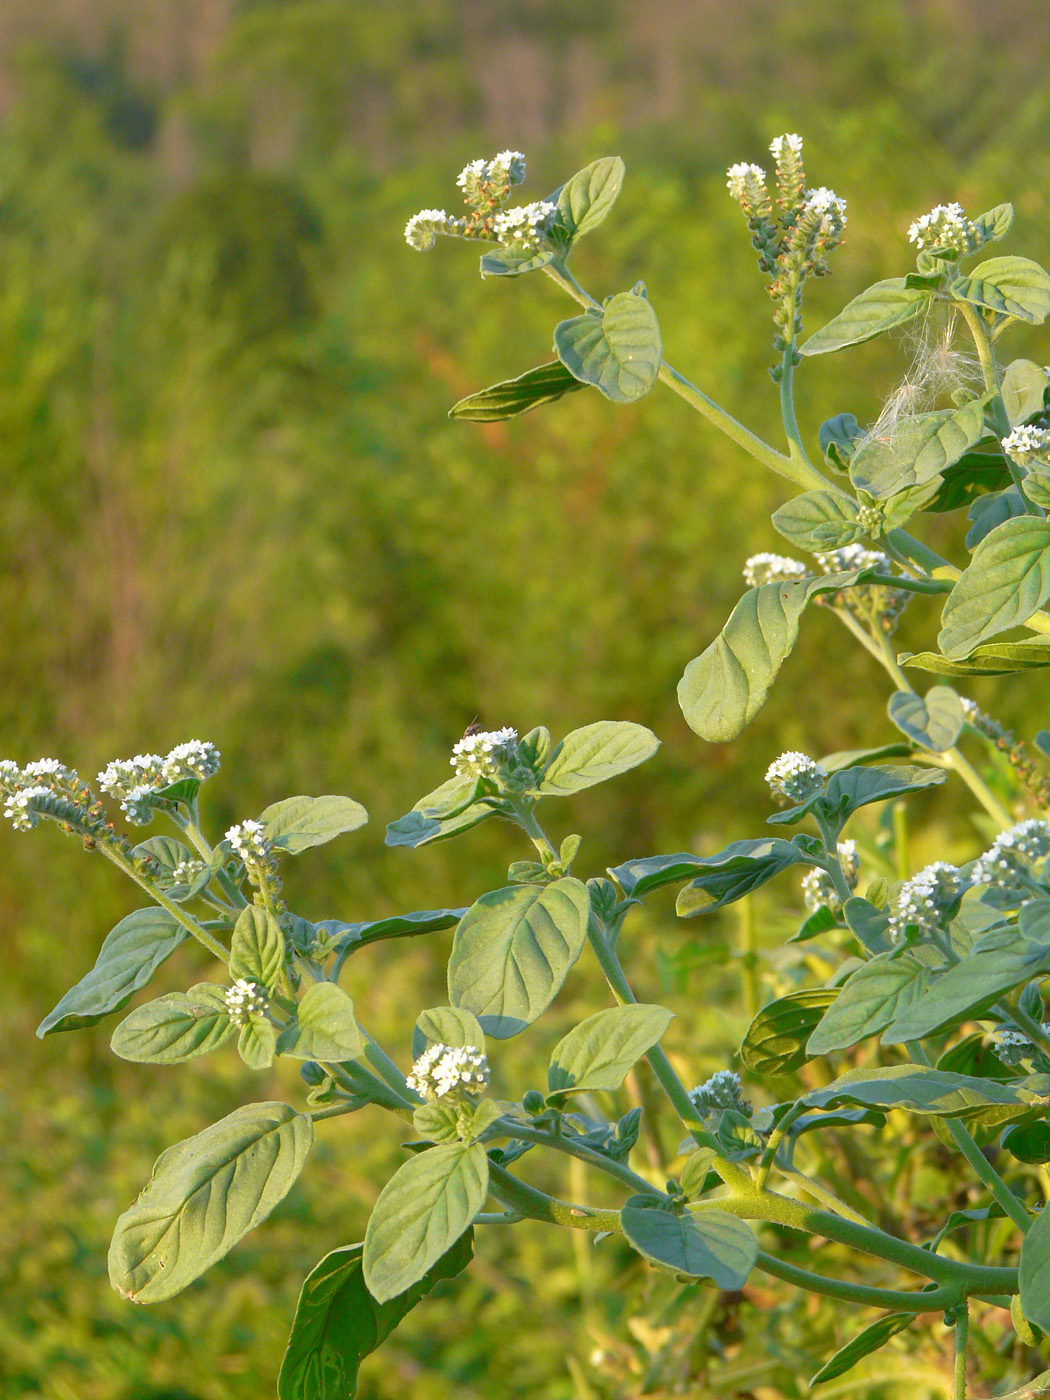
x: 179, y: 915
x: 931, y: 1300
x: 527, y: 1201
x: 962, y: 1330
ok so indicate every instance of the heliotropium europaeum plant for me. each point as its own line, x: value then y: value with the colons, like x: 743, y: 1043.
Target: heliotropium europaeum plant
x: 934, y: 1006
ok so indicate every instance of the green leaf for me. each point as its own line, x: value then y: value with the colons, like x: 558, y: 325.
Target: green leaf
x: 594, y: 754
x: 354, y: 936
x: 724, y: 688
x: 512, y: 397
x: 505, y: 262
x: 742, y: 867
x: 973, y: 1056
x: 446, y: 1025
x: 852, y: 758
x: 338, y: 1322
x: 257, y: 1043
x: 1007, y: 580
x: 176, y: 1027
x: 131, y: 953
x: 934, y: 721
x: 298, y: 823
x: 598, y: 1052
x: 513, y: 950
x: 1023, y: 389
x: 424, y: 1208
x: 868, y: 1001
x: 437, y: 1122
x: 1034, y: 1274
x: 996, y: 223
x: 838, y: 437
x: 444, y: 812
x: 819, y: 520
x: 775, y: 1042
x: 920, y: 450
x: 863, y: 1344
x: 967, y: 481
x: 879, y: 308
x: 327, y: 1028
x: 169, y: 854
x: 899, y: 508
x: 852, y: 788
x: 205, y: 1194
x: 993, y: 659
x: 986, y: 512
x: 257, y: 947
x: 1002, y: 959
x: 1012, y: 286
x: 868, y: 924
x: 702, y: 1244
x: 617, y: 349
x: 638, y: 877
x: 929, y: 1091
x: 585, y: 201
x: 1028, y: 1142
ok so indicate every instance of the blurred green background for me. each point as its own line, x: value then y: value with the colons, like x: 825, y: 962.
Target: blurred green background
x: 234, y: 509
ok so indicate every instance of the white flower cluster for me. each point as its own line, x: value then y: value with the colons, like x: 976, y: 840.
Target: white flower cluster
x: 921, y: 901
x: 136, y: 781
x: 818, y: 888
x: 1006, y: 862
x: 1025, y: 443
x: 508, y: 167
x: 781, y: 145
x: 525, y: 224
x: 187, y: 871
x: 722, y: 1090
x: 946, y: 226
x: 244, y: 1000
x: 795, y: 776
x: 1011, y: 1046
x: 447, y: 1069
x: 21, y: 787
x: 248, y: 840
x: 480, y: 755
x: 745, y: 181
x: 772, y: 568
x: 422, y: 229
x: 829, y: 206
x: 854, y: 556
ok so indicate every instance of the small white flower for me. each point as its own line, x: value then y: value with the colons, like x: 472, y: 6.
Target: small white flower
x: 828, y: 204
x: 789, y: 141
x: 248, y: 840
x: 525, y: 223
x: 818, y: 891
x: 1024, y: 443
x: 10, y: 776
x: 187, y: 871
x: 1011, y: 1046
x: 795, y: 776
x: 52, y: 772
x: 513, y: 163
x: 772, y: 568
x: 194, y: 759
x: 448, y: 1069
x: 742, y: 179
x: 125, y: 775
x: 473, y: 172
x: 1011, y: 854
x: 945, y: 226
x: 18, y: 809
x: 422, y: 229
x: 244, y: 1000
x: 922, y: 900
x: 480, y: 755
x: 138, y: 804
x: 854, y: 556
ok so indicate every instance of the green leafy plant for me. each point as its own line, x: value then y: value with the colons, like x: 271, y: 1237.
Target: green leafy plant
x: 933, y: 1008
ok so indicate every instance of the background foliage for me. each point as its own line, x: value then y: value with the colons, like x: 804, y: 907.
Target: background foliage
x: 234, y: 509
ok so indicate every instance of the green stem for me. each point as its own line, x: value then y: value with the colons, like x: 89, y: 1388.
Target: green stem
x: 191, y: 826
x: 962, y: 1329
x: 527, y: 1201
x: 524, y: 813
x: 187, y: 921
x: 512, y: 1128
x: 932, y: 1300
x: 822, y: 1195
x: 385, y: 1067
x: 672, y: 1086
x: 337, y: 1110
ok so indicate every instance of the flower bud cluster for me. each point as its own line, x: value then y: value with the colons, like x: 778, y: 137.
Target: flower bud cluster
x: 449, y: 1069
x: 525, y: 225
x: 483, y: 754
x: 1010, y: 1046
x: 138, y: 781
x: 1033, y: 776
x: 1008, y: 862
x: 818, y: 888
x: 1027, y: 444
x: 47, y: 788
x: 244, y: 1000
x: 723, y: 1090
x: 259, y: 856
x: 880, y: 606
x: 795, y: 776
x: 772, y: 568
x: 923, y: 901
x: 187, y: 871
x: 486, y: 186
x: 796, y: 245
x: 946, y: 226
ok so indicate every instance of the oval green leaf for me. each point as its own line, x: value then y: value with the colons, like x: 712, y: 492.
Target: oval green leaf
x: 699, y: 1244
x: 598, y: 1052
x: 819, y: 520
x: 1014, y: 287
x: 868, y: 1001
x: 934, y: 720
x: 879, y: 308
x: 257, y: 947
x: 298, y: 823
x: 512, y: 397
x: 775, y: 1042
x: 1007, y: 580
x: 863, y: 1344
x: 1034, y: 1272
x: 446, y: 1025
x: 513, y: 950
x: 742, y: 867
x: 594, y: 754
x: 327, y: 1028
x: 934, y: 1092
x: 174, y: 1028
x: 920, y: 450
x: 205, y: 1194
x: 131, y: 953
x: 617, y: 349
x: 584, y: 201
x: 421, y: 1212
x: 993, y: 659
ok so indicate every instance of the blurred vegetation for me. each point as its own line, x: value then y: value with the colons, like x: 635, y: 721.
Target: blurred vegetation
x: 235, y: 510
